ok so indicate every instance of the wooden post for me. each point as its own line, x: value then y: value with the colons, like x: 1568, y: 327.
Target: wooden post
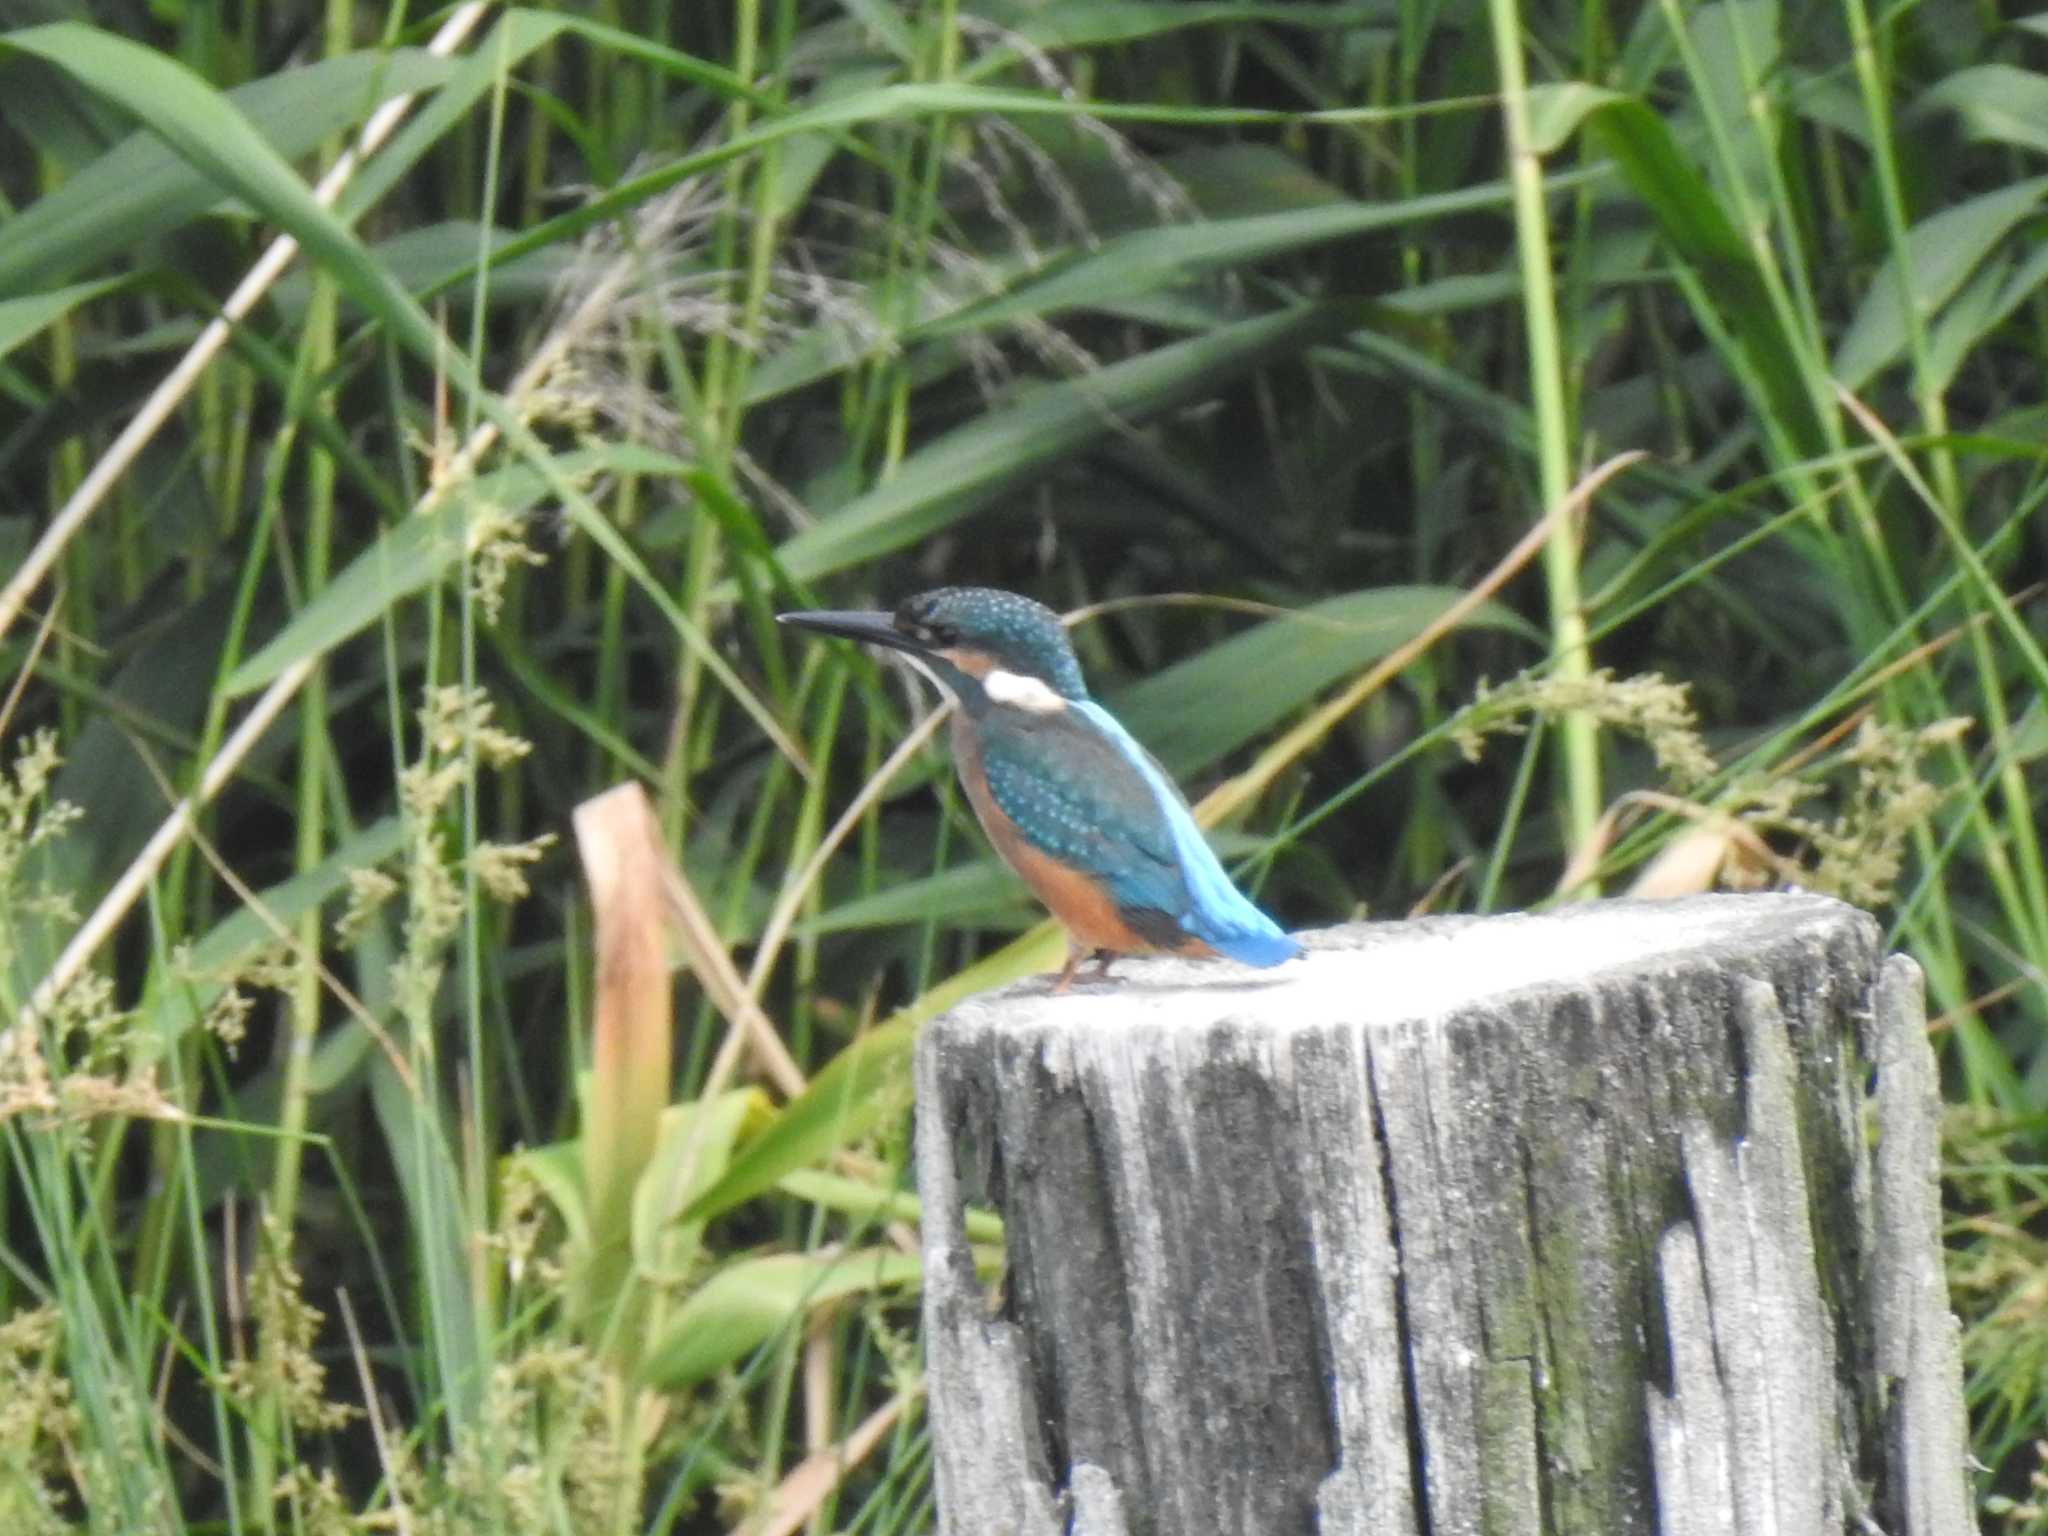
x: 1617, y: 1220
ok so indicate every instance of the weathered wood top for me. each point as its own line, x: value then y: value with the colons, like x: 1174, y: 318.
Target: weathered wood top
x: 1542, y: 1224
x: 1383, y: 973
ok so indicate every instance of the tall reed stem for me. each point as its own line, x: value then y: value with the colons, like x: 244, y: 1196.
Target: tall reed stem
x: 1578, y: 740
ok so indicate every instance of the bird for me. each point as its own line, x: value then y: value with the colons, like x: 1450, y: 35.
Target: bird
x: 1068, y: 797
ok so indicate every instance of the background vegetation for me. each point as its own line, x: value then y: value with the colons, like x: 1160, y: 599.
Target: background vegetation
x: 1257, y: 331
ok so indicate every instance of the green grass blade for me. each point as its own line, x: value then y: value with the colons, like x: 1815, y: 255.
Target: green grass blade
x: 749, y: 1301
x: 214, y: 137
x: 23, y: 318
x: 1198, y: 710
x: 1998, y: 102
x: 1094, y: 23
x: 862, y: 1084
x: 969, y: 893
x: 874, y: 1202
x: 464, y: 83
x: 144, y: 187
x: 1150, y: 260
x: 419, y: 552
x: 1704, y: 237
x: 967, y: 468
x: 1942, y: 252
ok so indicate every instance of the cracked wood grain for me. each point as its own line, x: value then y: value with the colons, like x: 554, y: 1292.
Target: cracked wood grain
x: 1555, y: 1225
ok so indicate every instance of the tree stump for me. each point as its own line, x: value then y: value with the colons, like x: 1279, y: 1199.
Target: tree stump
x: 1620, y: 1219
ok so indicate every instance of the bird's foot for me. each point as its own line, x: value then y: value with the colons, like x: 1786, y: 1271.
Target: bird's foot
x: 1101, y: 957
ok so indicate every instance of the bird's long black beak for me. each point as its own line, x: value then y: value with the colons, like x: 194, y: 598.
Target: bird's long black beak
x: 870, y: 628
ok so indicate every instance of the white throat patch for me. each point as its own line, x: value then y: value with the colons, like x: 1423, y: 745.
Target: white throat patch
x: 1026, y: 693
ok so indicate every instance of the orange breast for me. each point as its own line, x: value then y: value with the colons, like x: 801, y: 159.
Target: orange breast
x: 1082, y: 906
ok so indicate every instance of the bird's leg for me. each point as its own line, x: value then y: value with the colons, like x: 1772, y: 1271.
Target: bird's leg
x: 1103, y: 957
x: 1075, y: 955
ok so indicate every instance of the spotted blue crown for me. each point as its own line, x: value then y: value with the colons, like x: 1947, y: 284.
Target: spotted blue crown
x: 1020, y: 635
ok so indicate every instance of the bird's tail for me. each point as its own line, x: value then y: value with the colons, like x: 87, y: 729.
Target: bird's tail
x: 1263, y: 946
x: 1222, y: 915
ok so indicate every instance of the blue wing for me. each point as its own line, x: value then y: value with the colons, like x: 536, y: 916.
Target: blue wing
x: 1085, y: 791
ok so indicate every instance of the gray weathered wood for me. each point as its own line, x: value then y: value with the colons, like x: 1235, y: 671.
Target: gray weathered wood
x: 1617, y: 1220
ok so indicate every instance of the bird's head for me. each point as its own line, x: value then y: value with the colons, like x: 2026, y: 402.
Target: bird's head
x: 989, y: 649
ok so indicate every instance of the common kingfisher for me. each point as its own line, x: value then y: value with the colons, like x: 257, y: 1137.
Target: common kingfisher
x: 1071, y: 801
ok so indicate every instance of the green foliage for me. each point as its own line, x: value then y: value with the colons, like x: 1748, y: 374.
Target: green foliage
x: 1223, y: 323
